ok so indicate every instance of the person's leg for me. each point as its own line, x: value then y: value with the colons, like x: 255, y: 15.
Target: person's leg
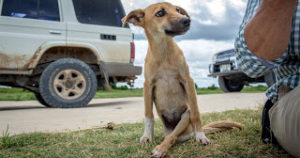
x: 265, y: 123
x: 285, y: 121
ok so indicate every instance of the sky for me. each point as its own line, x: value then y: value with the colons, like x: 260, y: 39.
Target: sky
x: 213, y: 28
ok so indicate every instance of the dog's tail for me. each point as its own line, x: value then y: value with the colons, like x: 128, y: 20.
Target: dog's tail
x: 219, y: 126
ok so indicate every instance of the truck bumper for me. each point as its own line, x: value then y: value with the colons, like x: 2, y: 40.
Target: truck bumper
x: 216, y: 74
x: 122, y: 69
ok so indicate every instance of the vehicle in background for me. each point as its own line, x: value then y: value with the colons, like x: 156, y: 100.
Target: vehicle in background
x: 64, y: 50
x: 224, y: 66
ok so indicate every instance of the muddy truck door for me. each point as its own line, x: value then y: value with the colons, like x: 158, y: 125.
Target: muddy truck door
x: 25, y: 28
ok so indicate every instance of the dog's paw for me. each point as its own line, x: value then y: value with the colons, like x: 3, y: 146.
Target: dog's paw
x: 157, y: 152
x: 201, y: 138
x: 145, y: 139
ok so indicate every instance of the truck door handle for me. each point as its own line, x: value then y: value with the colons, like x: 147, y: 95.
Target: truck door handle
x: 108, y: 37
x: 55, y: 32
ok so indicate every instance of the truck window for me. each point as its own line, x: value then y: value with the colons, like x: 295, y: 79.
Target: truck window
x: 99, y: 12
x: 33, y: 9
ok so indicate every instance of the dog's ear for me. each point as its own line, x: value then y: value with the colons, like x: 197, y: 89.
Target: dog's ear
x: 182, y: 11
x: 136, y: 17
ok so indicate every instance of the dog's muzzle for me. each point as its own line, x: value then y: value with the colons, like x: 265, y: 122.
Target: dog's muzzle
x: 186, y: 22
x: 179, y: 27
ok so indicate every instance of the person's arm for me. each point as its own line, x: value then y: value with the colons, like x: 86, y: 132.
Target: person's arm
x: 267, y: 34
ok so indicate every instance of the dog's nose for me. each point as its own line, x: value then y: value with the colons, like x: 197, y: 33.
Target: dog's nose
x: 185, y: 22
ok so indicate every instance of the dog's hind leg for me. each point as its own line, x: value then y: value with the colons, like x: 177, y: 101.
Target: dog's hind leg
x: 186, y: 135
x: 167, y: 131
x: 170, y: 139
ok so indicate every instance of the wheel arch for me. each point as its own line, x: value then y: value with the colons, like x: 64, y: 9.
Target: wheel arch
x: 51, y: 51
x: 85, y: 52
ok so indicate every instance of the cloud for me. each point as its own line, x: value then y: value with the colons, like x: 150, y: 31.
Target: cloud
x: 213, y: 19
x: 219, y: 23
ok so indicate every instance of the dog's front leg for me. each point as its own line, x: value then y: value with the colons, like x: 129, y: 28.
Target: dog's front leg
x: 169, y: 140
x: 195, y: 115
x: 189, y: 86
x: 149, y: 118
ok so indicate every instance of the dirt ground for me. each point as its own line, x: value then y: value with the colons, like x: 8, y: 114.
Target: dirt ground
x: 30, y: 116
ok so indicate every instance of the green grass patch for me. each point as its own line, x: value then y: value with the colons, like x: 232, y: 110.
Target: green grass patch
x: 208, y: 91
x: 19, y: 94
x: 123, y: 141
x: 249, y: 89
x: 15, y: 94
x: 118, y: 93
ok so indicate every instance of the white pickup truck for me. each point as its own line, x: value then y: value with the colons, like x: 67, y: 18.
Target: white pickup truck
x: 64, y: 50
x: 231, y: 79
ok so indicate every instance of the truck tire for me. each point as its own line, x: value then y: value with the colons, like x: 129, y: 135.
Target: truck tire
x: 41, y: 99
x: 68, y: 83
x: 229, y: 86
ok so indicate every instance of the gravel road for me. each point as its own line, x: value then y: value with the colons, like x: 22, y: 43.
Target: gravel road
x: 30, y: 116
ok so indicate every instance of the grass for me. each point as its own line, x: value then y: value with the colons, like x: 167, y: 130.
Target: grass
x: 5, y: 136
x: 249, y: 89
x: 18, y: 94
x: 123, y: 141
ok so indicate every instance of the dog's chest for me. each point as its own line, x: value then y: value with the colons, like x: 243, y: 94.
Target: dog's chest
x: 167, y: 82
x: 169, y: 93
x: 166, y: 76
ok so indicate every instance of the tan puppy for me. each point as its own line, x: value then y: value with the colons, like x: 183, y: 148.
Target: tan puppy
x: 167, y: 79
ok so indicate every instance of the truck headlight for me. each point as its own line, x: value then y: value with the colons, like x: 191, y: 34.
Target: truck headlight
x: 233, y: 58
x: 211, y: 68
x: 234, y: 63
x: 214, y: 58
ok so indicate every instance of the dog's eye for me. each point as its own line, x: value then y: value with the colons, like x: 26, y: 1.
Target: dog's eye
x: 160, y: 13
x: 179, y: 11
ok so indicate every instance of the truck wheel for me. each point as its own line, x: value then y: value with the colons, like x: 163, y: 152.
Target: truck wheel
x: 68, y: 83
x: 229, y: 85
x: 41, y: 99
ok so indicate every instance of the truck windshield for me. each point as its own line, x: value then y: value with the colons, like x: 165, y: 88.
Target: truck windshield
x: 99, y: 12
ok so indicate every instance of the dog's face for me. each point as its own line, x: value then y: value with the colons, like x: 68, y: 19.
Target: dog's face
x: 163, y: 19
